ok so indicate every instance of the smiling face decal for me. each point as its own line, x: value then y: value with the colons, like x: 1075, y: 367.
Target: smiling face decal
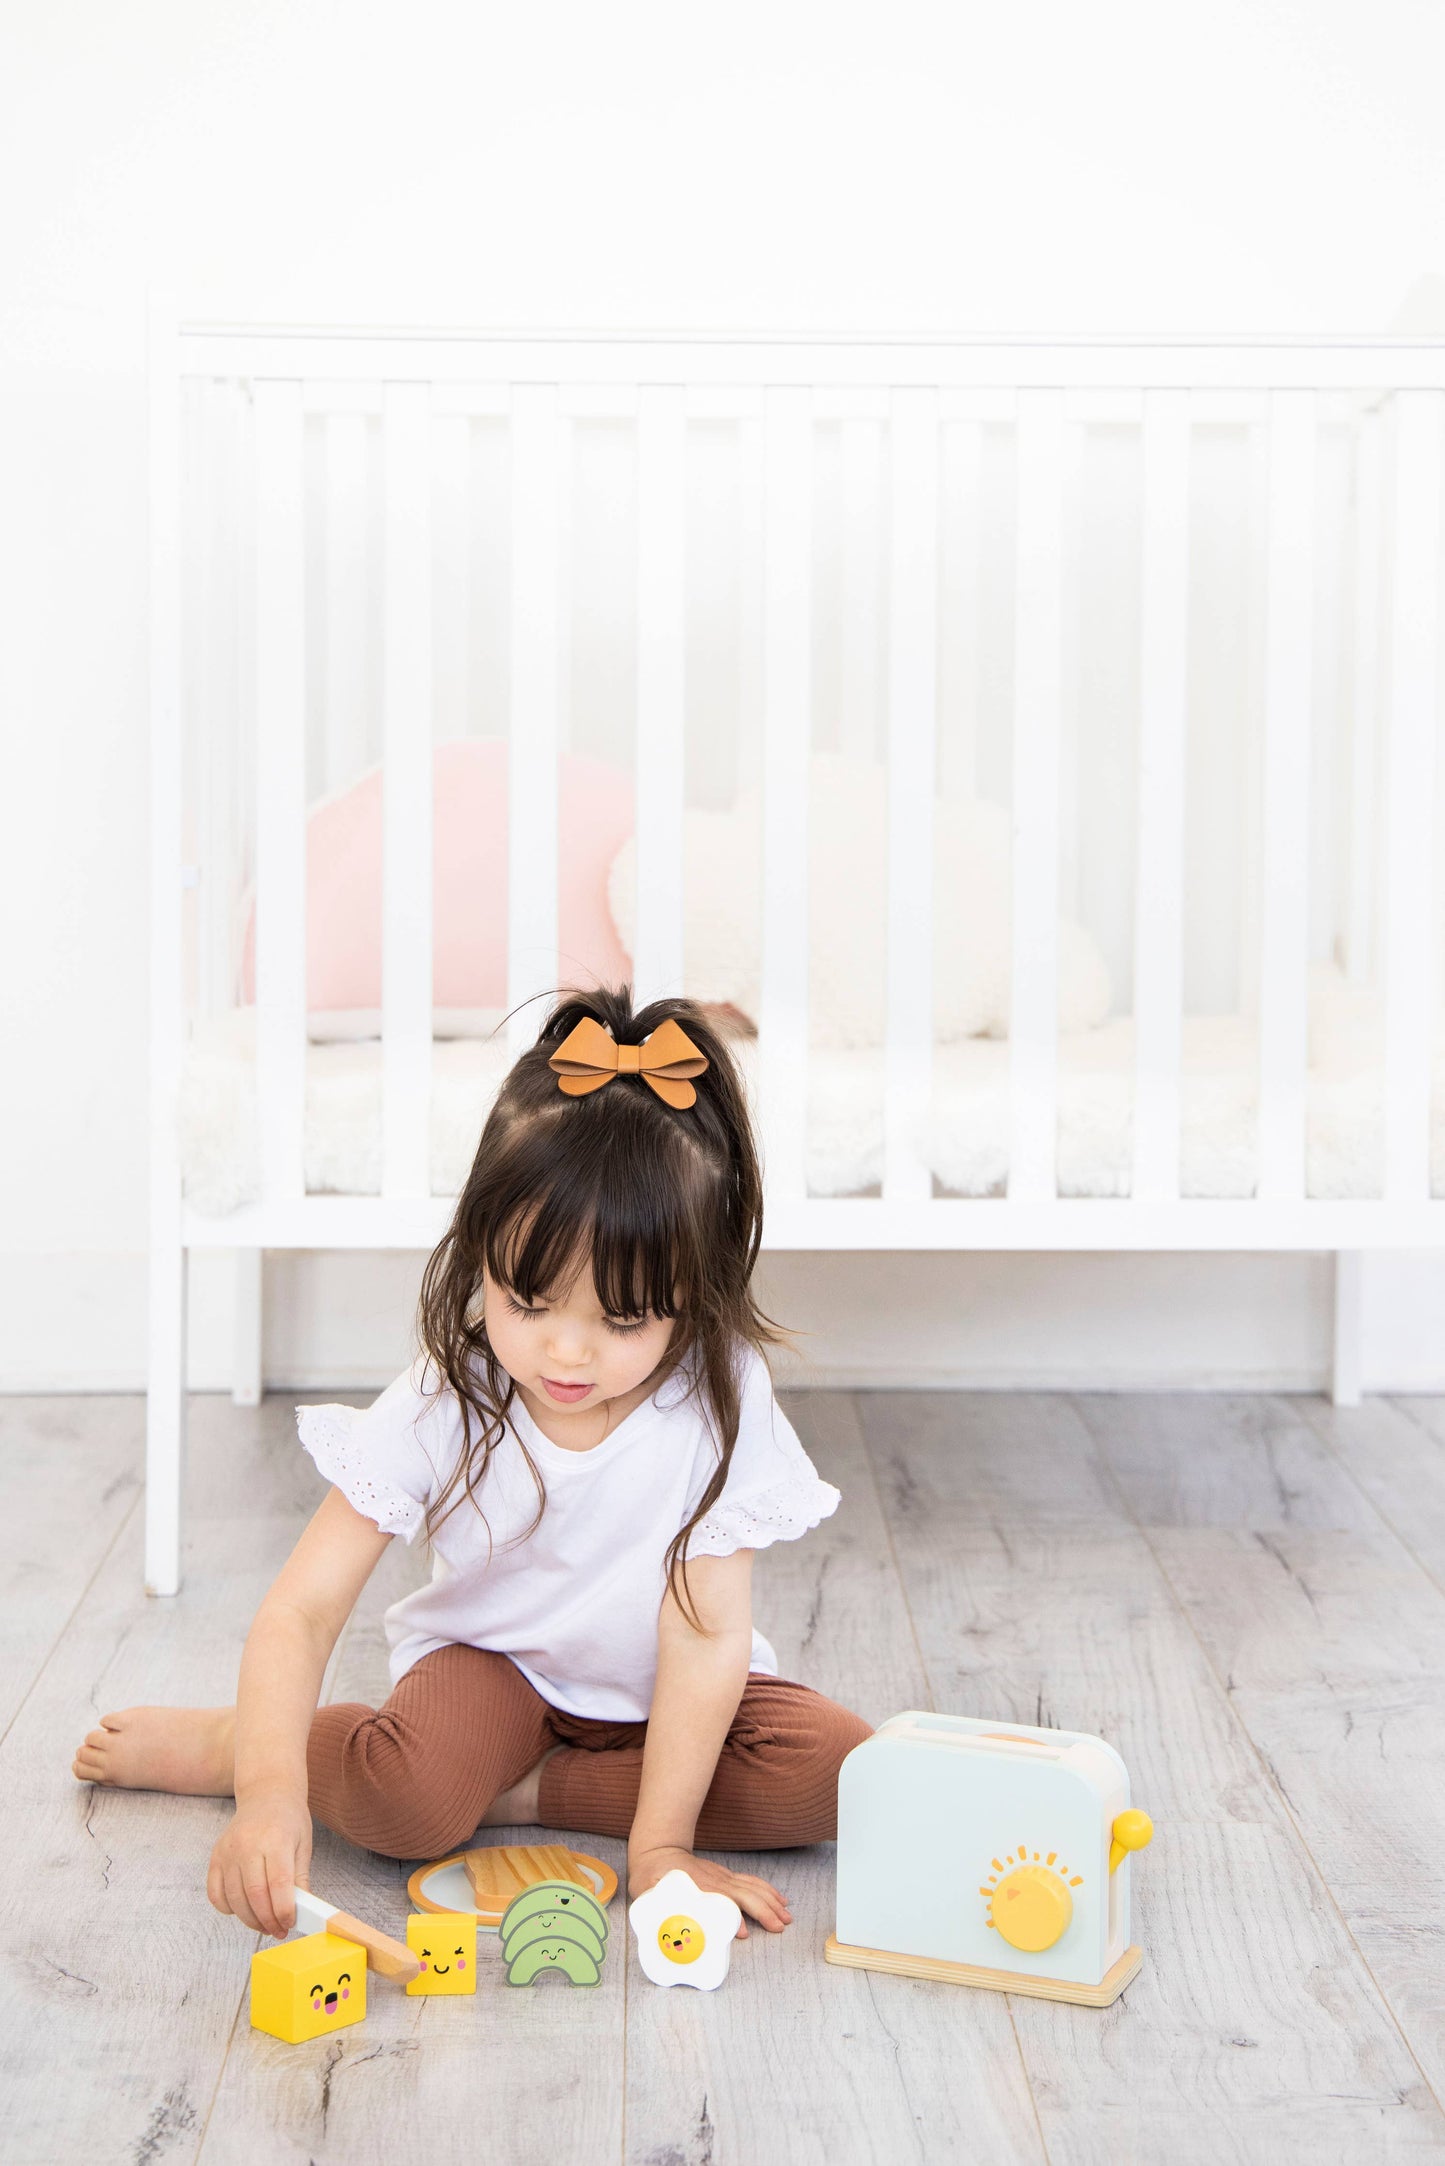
x: 681, y: 1940
x: 445, y: 1942
x: 328, y: 1998
x: 309, y: 1987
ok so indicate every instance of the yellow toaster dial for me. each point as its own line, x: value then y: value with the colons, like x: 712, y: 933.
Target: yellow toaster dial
x: 1030, y: 1905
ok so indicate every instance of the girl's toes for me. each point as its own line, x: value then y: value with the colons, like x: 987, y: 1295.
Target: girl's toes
x: 92, y: 1759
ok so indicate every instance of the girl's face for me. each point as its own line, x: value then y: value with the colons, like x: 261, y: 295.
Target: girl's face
x: 567, y: 1353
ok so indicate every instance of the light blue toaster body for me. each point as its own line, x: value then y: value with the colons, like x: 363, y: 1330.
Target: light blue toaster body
x: 935, y: 1809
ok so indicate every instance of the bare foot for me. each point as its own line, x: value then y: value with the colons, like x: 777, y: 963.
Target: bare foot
x: 520, y: 1806
x: 184, y: 1749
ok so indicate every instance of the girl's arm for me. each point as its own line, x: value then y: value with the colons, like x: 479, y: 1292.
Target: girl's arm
x: 700, y: 1680
x: 266, y: 1850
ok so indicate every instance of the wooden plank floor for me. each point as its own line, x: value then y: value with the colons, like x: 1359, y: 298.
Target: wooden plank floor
x: 1247, y: 1595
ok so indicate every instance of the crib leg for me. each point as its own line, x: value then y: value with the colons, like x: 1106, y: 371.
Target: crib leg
x: 246, y: 1346
x: 1345, y: 1380
x: 165, y: 1417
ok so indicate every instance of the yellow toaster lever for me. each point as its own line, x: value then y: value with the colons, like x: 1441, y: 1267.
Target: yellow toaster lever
x: 1131, y: 1831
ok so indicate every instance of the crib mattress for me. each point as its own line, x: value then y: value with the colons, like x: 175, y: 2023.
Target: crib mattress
x: 963, y: 1136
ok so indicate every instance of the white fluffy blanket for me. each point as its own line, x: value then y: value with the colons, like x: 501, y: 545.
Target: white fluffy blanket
x: 965, y: 1132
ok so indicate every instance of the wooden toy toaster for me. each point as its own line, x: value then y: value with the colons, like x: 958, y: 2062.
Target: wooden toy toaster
x: 962, y: 1842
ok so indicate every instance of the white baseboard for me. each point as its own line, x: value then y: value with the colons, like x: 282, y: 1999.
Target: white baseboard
x: 883, y: 1321
x: 347, y: 1384
x: 1106, y: 1379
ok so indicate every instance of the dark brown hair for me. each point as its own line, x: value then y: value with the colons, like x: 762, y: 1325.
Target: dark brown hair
x: 668, y: 1201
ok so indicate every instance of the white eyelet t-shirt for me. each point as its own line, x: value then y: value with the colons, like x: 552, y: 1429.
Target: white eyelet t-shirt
x: 574, y: 1604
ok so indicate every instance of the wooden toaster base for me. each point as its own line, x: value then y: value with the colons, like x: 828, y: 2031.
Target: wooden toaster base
x: 1110, y: 1986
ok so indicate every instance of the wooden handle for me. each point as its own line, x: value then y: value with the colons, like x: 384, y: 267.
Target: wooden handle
x: 383, y: 1953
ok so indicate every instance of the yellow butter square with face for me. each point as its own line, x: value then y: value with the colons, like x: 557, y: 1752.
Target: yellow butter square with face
x: 308, y: 1988
x: 446, y: 1941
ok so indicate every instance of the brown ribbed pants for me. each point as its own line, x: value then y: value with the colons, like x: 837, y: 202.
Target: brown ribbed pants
x: 412, y: 1779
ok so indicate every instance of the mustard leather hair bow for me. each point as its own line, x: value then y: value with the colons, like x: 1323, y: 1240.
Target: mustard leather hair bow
x: 588, y: 1057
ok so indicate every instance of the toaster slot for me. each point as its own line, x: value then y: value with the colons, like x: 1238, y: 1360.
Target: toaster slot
x: 1034, y: 1745
x: 947, y: 1730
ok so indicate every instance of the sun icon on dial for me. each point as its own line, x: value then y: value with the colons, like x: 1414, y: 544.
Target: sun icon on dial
x: 1029, y: 1900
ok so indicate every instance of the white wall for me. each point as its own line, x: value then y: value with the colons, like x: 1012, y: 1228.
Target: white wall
x: 1207, y: 168
x: 343, y: 1321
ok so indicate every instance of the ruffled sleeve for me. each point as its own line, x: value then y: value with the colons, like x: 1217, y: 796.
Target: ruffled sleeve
x: 773, y: 1491
x: 387, y: 1459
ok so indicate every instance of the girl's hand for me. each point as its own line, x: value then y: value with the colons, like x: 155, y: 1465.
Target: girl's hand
x: 264, y: 1854
x: 757, y: 1898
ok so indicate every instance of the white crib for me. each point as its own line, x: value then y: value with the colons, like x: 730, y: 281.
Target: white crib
x: 1383, y: 401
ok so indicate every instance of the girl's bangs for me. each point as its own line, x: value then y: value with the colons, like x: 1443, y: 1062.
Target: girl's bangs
x: 637, y: 1264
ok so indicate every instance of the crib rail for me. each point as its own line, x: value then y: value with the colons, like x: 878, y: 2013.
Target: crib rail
x: 540, y: 385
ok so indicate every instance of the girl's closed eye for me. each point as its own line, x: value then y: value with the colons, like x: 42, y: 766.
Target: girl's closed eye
x: 622, y: 1331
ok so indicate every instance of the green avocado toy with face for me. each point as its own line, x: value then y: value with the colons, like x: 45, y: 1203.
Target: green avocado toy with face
x: 554, y: 1926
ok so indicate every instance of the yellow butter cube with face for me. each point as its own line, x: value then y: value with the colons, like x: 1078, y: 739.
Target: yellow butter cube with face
x: 446, y: 1941
x: 308, y: 1988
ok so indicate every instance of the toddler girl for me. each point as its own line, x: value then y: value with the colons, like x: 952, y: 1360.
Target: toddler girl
x: 589, y: 1441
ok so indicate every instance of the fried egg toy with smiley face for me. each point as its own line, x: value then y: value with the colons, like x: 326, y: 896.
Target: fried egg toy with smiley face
x: 684, y: 1936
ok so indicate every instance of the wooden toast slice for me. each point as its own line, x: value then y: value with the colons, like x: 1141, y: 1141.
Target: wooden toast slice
x: 498, y: 1874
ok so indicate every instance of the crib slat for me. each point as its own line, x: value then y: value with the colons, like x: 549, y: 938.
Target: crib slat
x: 451, y: 585
x: 962, y: 543
x: 1159, y: 892
x: 1071, y: 704
x: 1410, y: 998
x: 345, y: 599
x: 657, y: 960
x: 406, y: 938
x: 861, y: 449
x: 532, y: 962
x: 912, y: 726
x: 787, y: 731
x: 1360, y: 896
x: 1284, y: 883
x: 1038, y: 702
x: 280, y: 791
x: 216, y: 676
